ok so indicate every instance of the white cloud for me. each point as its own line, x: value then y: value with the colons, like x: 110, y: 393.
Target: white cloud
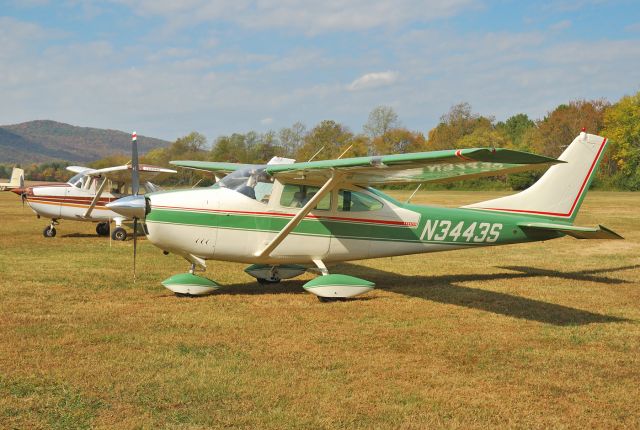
x: 561, y: 25
x: 302, y: 15
x: 231, y: 84
x: 633, y: 28
x: 373, y: 80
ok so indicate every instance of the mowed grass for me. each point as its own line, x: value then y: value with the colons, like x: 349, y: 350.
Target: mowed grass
x: 538, y: 335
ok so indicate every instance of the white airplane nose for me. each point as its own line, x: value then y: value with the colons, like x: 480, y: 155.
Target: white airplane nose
x: 130, y: 206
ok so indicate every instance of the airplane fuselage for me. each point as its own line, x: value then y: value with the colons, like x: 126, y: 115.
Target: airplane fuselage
x: 222, y: 224
x: 65, y: 201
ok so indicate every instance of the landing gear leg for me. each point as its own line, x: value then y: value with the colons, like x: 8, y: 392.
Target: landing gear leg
x: 50, y: 230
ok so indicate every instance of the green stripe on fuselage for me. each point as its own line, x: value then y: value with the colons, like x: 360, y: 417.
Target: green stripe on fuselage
x: 437, y: 225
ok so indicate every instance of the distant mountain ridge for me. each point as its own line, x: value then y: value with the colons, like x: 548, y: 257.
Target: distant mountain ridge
x: 45, y: 140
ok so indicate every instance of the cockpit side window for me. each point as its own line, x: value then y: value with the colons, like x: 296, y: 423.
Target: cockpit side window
x: 354, y: 201
x: 296, y: 196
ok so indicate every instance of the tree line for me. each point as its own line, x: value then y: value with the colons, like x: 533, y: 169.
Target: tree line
x: 383, y: 133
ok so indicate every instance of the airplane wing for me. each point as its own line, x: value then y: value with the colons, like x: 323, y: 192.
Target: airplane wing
x: 433, y: 166
x: 219, y: 168
x: 78, y: 169
x: 123, y: 173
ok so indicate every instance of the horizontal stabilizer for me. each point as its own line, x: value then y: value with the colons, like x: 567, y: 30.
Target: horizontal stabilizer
x: 599, y: 232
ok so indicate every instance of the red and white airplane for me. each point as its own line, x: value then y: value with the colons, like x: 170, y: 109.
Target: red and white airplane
x: 84, y: 196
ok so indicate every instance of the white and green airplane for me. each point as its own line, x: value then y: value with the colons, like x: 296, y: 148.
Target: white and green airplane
x: 286, y: 218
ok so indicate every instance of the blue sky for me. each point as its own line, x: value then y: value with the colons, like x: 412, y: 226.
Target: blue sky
x: 165, y: 68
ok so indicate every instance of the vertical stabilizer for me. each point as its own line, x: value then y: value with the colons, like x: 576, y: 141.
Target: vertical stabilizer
x: 558, y: 194
x: 17, y: 178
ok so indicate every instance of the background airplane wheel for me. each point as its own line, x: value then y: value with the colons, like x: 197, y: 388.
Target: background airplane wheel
x: 102, y: 229
x: 49, y: 231
x: 119, y: 234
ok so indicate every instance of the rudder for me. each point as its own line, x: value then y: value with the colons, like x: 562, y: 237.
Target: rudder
x: 559, y: 193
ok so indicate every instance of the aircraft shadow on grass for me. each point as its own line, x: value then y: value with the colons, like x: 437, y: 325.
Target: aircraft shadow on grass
x: 446, y: 289
x: 82, y: 235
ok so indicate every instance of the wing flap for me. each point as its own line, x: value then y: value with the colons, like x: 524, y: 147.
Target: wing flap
x: 599, y: 232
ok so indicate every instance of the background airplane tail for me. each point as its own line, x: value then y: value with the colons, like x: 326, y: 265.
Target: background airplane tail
x: 558, y: 194
x: 17, y: 177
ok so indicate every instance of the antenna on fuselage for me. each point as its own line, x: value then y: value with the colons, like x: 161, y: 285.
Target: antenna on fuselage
x: 316, y: 154
x: 414, y: 193
x: 345, y: 151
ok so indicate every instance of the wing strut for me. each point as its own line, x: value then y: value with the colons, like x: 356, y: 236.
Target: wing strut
x: 95, y: 199
x: 326, y: 188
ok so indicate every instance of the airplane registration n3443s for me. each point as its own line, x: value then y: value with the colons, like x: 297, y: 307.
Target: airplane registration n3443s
x: 285, y: 218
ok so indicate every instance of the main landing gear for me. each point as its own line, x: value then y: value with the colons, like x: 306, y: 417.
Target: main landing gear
x: 50, y: 230
x: 102, y: 229
x: 335, y: 287
x: 328, y: 287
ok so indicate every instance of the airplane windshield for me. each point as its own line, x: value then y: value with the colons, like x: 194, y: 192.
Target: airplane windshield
x: 253, y: 182
x: 75, y: 180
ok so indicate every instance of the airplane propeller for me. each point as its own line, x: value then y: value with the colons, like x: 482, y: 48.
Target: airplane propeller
x: 132, y: 206
x: 22, y: 192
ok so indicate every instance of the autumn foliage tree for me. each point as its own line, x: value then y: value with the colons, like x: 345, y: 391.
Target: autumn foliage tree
x: 622, y: 127
x: 562, y: 125
x: 460, y: 127
x: 330, y: 138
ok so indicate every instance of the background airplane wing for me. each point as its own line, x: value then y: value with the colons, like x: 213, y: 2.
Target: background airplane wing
x: 123, y: 173
x: 78, y: 169
x: 218, y: 168
x: 434, y: 166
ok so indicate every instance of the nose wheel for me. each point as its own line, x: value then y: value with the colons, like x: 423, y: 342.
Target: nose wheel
x: 119, y: 234
x: 50, y: 230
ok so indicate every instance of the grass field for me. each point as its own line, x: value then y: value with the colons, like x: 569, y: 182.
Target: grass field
x: 538, y: 336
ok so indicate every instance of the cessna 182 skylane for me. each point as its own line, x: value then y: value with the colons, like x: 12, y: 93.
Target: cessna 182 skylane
x: 283, y: 219
x: 84, y: 197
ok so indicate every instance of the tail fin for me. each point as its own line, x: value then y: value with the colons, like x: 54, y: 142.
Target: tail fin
x: 559, y: 193
x: 17, y: 178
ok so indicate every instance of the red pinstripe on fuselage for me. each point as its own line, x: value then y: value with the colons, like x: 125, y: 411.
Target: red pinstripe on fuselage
x: 68, y: 202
